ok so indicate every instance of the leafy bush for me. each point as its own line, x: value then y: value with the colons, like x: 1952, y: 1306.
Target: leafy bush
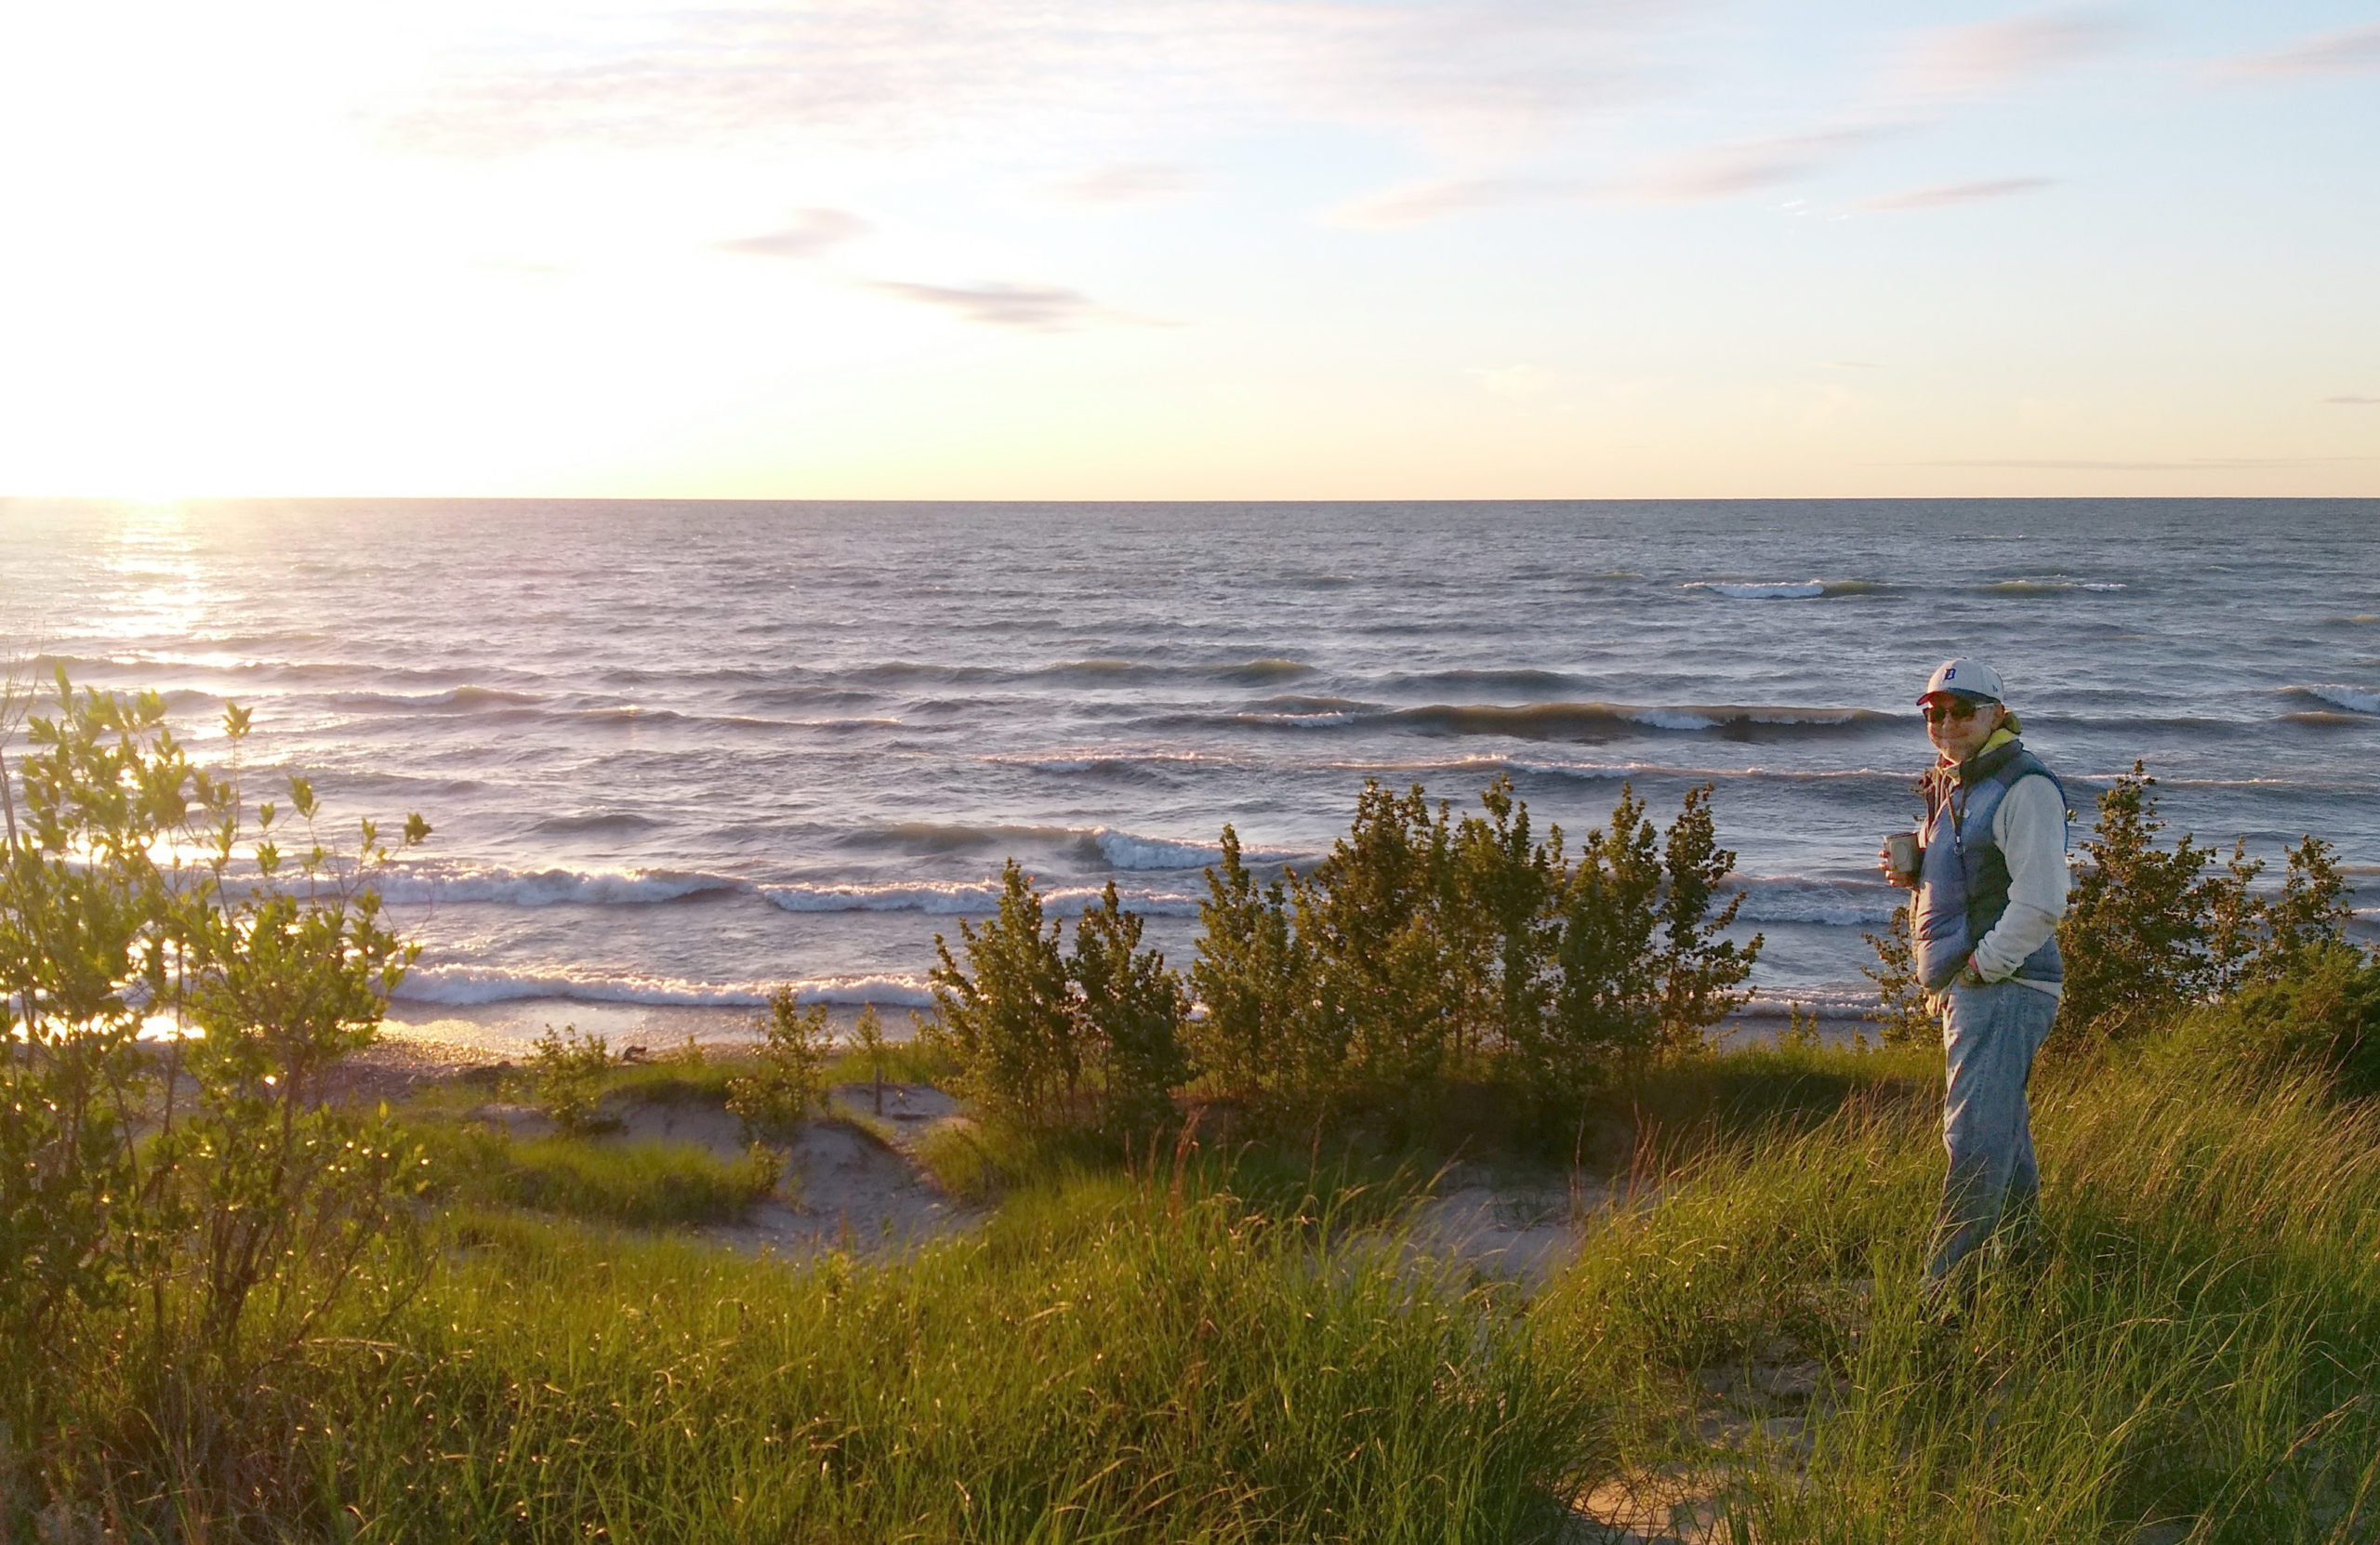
x: 1051, y: 1038
x: 141, y: 890
x: 567, y: 1072
x: 2149, y: 932
x: 788, y: 1080
x: 1425, y: 950
x: 2322, y: 1012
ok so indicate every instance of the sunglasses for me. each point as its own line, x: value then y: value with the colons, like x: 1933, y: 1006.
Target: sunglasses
x: 1958, y: 708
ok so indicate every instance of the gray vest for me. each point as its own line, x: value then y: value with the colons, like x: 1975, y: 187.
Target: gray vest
x: 1962, y: 875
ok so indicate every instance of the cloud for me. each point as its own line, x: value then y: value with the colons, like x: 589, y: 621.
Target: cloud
x: 896, y: 73
x: 1128, y: 182
x: 2360, y: 401
x: 2337, y: 53
x: 1030, y: 308
x: 1956, y: 193
x: 1853, y: 365
x: 2201, y: 463
x: 1956, y: 63
x: 1722, y: 171
x: 1417, y: 202
x: 811, y: 233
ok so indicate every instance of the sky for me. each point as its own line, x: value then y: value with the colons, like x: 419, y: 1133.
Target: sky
x: 1189, y: 249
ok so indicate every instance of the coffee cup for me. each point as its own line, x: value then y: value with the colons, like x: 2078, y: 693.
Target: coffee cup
x: 1900, y: 851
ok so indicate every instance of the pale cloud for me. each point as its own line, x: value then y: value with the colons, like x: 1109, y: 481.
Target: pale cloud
x: 1417, y: 202
x: 1723, y: 171
x: 2197, y: 463
x: 897, y: 72
x: 812, y: 232
x: 2349, y: 398
x: 1956, y: 193
x: 1128, y: 182
x: 2337, y: 53
x: 1957, y: 63
x: 1029, y: 308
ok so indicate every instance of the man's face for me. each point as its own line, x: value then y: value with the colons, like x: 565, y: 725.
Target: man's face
x: 1959, y: 738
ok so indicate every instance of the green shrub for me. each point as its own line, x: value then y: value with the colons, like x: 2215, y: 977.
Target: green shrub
x: 1050, y: 1038
x: 569, y: 1073
x: 789, y: 1079
x: 2321, y: 1012
x: 2148, y: 933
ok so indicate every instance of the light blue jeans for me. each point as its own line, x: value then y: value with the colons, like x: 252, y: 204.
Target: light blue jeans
x: 1990, y: 1035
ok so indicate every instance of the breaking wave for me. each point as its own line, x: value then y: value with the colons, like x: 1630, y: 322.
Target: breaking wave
x: 2354, y: 700
x: 430, y: 884
x: 963, y: 898
x: 461, y: 986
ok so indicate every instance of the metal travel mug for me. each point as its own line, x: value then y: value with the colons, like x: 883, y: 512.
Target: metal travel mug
x: 1902, y: 848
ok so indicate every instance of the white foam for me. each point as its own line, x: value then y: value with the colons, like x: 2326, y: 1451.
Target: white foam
x: 1126, y: 850
x: 1670, y: 718
x: 457, y: 884
x: 2357, y: 700
x: 1762, y: 590
x: 463, y: 985
x: 963, y: 898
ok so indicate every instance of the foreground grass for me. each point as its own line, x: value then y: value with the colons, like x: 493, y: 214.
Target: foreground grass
x: 1180, y: 1347
x: 2196, y: 1344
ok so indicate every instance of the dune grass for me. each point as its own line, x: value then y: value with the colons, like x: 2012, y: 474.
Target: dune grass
x: 2195, y: 1342
x: 645, y: 1184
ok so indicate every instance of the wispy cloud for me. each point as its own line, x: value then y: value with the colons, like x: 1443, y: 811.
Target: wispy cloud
x: 900, y: 72
x: 2200, y: 463
x: 1956, y: 193
x: 1029, y: 308
x: 1959, y: 64
x: 2350, y: 399
x: 1417, y: 202
x: 2337, y: 53
x: 1128, y: 182
x: 814, y: 231
x: 1723, y: 171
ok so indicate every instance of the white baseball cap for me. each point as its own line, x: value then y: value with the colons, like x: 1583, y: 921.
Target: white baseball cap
x: 1965, y: 679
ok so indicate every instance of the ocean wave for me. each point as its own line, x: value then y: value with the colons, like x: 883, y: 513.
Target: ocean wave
x: 454, y: 699
x: 1608, y: 720
x: 1799, y: 899
x: 419, y: 885
x: 2047, y: 586
x: 1761, y: 590
x: 461, y: 986
x: 598, y: 821
x: 963, y: 898
x: 1269, y: 669
x: 1476, y: 678
x: 2357, y: 700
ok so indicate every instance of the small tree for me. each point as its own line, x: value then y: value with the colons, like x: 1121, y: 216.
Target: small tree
x: 1006, y: 1018
x: 1268, y: 1037
x: 2136, y: 931
x: 867, y: 1038
x: 789, y: 1079
x: 1129, y: 1010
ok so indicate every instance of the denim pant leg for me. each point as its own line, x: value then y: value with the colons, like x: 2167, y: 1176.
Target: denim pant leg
x: 1990, y: 1035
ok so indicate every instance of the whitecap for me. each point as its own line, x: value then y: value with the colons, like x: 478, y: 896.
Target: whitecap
x: 1762, y: 590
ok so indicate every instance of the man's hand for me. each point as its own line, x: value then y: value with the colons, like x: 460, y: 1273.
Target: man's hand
x: 1970, y: 977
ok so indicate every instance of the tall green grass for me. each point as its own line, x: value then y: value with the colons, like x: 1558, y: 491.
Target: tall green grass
x: 2196, y: 1342
x: 640, y: 1184
x: 1112, y: 1361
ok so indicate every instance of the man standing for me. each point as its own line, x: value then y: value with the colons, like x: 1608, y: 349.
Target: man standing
x: 1990, y: 883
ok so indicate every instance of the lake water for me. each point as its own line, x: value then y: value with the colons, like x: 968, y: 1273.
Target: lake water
x: 676, y: 753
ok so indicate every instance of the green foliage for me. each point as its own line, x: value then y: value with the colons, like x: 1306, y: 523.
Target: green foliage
x: 2321, y: 1014
x: 1129, y: 1009
x: 1050, y: 1038
x: 869, y: 1044
x: 2149, y: 932
x: 569, y: 1072
x: 139, y: 889
x: 1426, y: 951
x: 788, y: 1080
x: 1902, y: 1009
x: 639, y: 1184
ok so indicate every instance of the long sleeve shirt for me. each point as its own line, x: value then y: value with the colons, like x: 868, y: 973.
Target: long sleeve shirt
x: 2030, y: 827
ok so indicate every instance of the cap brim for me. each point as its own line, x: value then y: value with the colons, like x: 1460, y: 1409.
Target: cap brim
x: 1955, y: 692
